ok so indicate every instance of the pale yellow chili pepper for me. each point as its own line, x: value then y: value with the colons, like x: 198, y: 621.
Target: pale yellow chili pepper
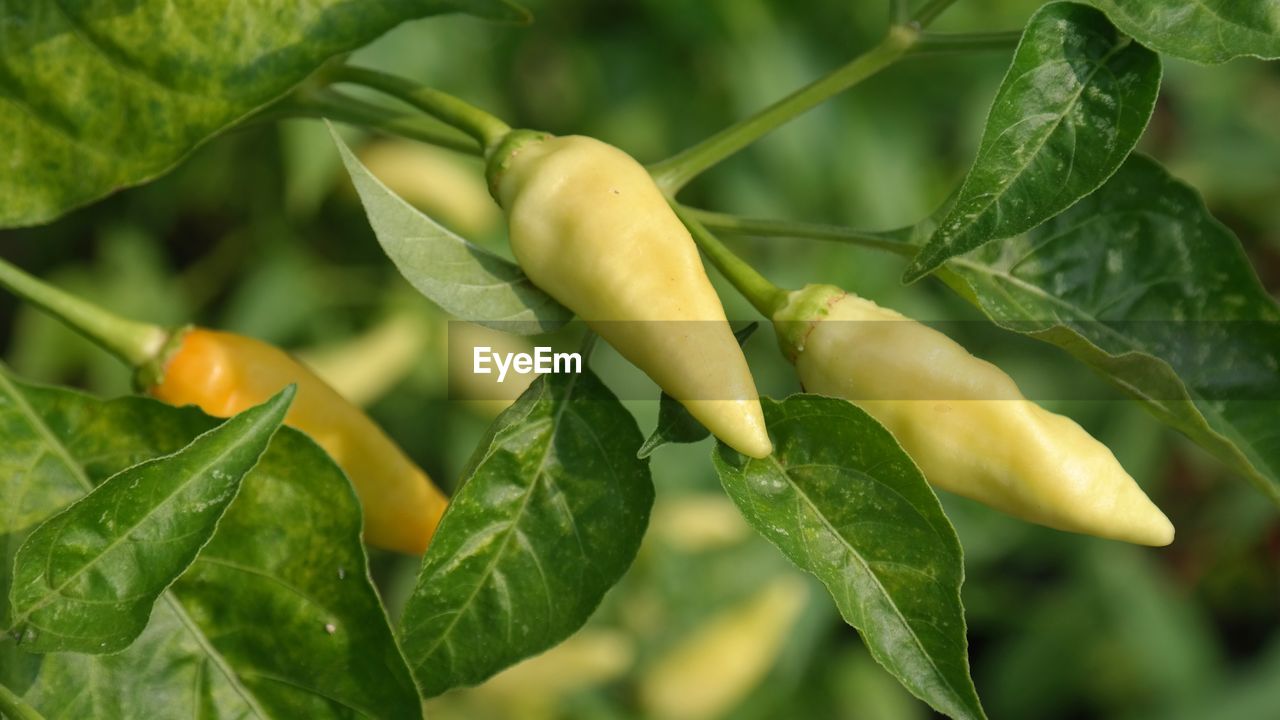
x: 963, y: 420
x: 589, y: 226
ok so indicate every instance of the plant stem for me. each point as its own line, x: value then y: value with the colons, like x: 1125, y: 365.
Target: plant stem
x: 588, y: 345
x: 760, y: 227
x: 343, y: 108
x: 899, y: 12
x: 676, y: 171
x: 930, y: 11
x: 939, y: 43
x: 134, y: 342
x: 12, y: 706
x: 485, y: 128
x: 756, y: 288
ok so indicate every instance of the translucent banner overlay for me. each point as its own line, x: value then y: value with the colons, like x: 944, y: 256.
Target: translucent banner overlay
x: 1165, y: 361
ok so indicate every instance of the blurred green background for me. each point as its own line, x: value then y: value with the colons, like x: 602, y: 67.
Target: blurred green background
x: 260, y: 233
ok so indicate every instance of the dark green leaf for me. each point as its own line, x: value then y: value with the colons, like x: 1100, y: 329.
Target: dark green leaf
x: 550, y: 517
x: 97, y: 95
x: 466, y: 281
x: 675, y: 424
x: 1073, y: 104
x: 264, y: 623
x: 843, y: 501
x: 1142, y: 283
x: 86, y: 580
x: 1206, y: 31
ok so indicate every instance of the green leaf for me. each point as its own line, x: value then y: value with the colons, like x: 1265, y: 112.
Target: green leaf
x: 466, y: 281
x: 97, y: 95
x: 843, y: 501
x: 550, y: 516
x: 86, y: 580
x: 266, y: 620
x: 1206, y: 31
x: 675, y: 424
x: 1073, y: 104
x: 1142, y: 283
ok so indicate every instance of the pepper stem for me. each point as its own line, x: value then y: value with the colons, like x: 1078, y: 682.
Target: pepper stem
x: 487, y: 129
x: 676, y: 171
x: 333, y: 105
x: 727, y: 224
x: 13, y: 706
x: 756, y: 288
x: 588, y: 345
x: 941, y: 43
x: 930, y: 11
x: 137, y: 343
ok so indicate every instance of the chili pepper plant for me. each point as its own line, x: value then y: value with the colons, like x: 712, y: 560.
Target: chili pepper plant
x: 197, y: 546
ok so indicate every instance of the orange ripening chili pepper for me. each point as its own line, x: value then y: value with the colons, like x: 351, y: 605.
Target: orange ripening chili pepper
x: 224, y: 374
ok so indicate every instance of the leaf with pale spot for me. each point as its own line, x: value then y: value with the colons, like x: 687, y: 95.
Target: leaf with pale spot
x: 98, y: 95
x: 1206, y: 31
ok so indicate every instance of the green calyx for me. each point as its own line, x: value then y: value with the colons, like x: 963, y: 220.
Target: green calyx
x: 498, y: 160
x: 804, y: 309
x: 150, y: 373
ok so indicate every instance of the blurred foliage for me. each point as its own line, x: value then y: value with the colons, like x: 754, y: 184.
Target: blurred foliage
x: 259, y: 232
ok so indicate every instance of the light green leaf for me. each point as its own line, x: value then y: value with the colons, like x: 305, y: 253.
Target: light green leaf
x: 466, y: 281
x: 843, y: 501
x: 86, y: 580
x: 550, y: 516
x: 266, y: 620
x: 1206, y: 31
x: 1075, y: 101
x: 1142, y: 283
x: 98, y: 95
